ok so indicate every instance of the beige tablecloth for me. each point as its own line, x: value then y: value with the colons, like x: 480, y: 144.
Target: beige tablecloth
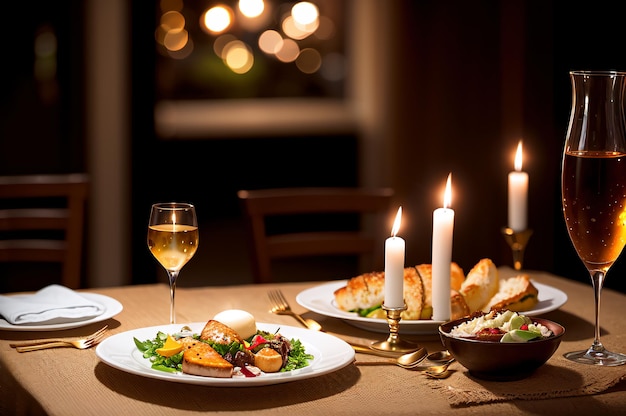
x: 74, y: 382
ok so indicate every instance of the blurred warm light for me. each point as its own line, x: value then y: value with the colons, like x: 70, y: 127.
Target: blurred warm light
x: 333, y: 67
x: 304, y: 13
x: 217, y: 19
x: 251, y: 19
x: 171, y: 5
x: 172, y: 20
x: 171, y: 34
x: 182, y: 53
x: 325, y: 29
x: 221, y: 42
x: 289, y: 51
x: 159, y: 34
x: 309, y: 61
x: 296, y: 31
x: 175, y: 39
x: 251, y: 8
x: 270, y: 41
x: 238, y: 57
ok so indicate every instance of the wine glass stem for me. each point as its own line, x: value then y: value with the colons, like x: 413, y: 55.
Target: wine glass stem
x: 173, y: 275
x: 597, y: 281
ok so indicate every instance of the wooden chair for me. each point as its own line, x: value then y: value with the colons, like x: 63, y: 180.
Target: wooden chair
x: 42, y: 220
x: 370, y: 206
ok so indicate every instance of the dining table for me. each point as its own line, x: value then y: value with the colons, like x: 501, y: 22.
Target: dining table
x: 70, y: 381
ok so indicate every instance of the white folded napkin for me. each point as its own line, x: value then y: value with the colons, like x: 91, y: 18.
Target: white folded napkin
x: 53, y: 304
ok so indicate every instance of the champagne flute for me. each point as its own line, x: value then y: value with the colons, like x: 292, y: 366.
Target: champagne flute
x: 173, y: 240
x: 593, y: 185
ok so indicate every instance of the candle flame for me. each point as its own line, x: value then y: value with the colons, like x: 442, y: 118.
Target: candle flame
x: 396, y: 223
x: 518, y: 157
x: 173, y: 217
x: 447, y: 195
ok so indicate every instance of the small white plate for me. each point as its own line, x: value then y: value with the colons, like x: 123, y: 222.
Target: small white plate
x: 111, y: 308
x: 330, y: 354
x: 321, y: 299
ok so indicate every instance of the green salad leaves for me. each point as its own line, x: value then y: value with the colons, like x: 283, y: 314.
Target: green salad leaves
x: 148, y: 349
x: 298, y: 357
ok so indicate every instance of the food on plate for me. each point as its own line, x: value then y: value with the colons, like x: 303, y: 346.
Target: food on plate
x: 242, y: 322
x: 364, y: 294
x: 501, y: 326
x: 228, y: 341
x: 481, y: 290
x: 202, y: 360
x: 268, y: 360
x: 457, y: 277
x: 516, y: 293
x: 458, y: 306
x: 220, y: 351
x: 481, y: 284
x: 170, y: 347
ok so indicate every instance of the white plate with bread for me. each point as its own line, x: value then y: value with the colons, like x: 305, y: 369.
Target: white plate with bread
x: 481, y: 289
x: 330, y: 354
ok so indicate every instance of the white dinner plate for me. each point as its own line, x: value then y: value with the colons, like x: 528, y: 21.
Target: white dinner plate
x: 111, y: 308
x: 330, y: 354
x: 321, y: 299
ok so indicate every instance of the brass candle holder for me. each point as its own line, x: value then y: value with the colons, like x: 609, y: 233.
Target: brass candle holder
x: 393, y: 343
x: 517, y: 240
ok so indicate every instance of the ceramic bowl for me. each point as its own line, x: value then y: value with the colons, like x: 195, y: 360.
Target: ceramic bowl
x: 501, y: 361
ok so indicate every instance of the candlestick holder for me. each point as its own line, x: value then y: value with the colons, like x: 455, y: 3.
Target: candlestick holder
x: 517, y: 240
x: 393, y: 343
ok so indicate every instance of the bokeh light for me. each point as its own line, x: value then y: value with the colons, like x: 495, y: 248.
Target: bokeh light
x: 242, y: 31
x: 175, y: 39
x: 333, y: 67
x: 304, y: 13
x: 172, y: 20
x: 251, y: 8
x: 174, y: 5
x: 296, y: 31
x: 289, y: 51
x: 270, y: 41
x: 238, y: 57
x: 217, y: 19
x: 221, y: 42
x: 309, y: 61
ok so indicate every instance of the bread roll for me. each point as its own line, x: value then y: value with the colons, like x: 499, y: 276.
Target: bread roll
x: 414, y: 294
x: 367, y: 291
x: 458, y: 306
x: 481, y: 284
x: 516, y: 293
x: 426, y: 273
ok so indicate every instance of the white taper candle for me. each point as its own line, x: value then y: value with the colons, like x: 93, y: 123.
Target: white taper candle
x: 394, y: 266
x: 443, y: 230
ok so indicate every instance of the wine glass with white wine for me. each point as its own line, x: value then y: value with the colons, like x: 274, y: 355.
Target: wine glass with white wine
x: 173, y: 240
x: 593, y: 185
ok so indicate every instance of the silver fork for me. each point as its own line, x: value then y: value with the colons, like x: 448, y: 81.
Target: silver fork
x: 280, y: 306
x: 80, y: 343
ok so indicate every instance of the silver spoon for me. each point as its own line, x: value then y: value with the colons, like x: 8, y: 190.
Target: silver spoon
x: 440, y: 357
x: 438, y: 372
x: 408, y: 360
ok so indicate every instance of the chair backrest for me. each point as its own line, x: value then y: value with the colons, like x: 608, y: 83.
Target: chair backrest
x: 370, y: 206
x: 42, y: 219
